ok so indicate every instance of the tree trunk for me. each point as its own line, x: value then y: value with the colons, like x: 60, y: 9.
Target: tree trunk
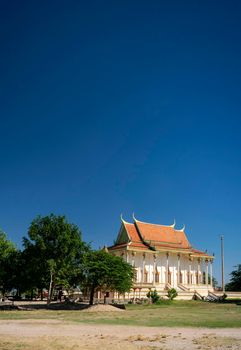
x: 18, y: 294
x: 41, y: 293
x: 92, y: 292
x: 50, y: 293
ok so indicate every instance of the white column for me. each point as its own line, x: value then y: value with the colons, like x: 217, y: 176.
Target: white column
x: 206, y: 273
x: 211, y: 273
x: 194, y: 270
x: 154, y: 269
x: 202, y: 271
x: 161, y: 264
x: 178, y: 269
x: 167, y: 268
x: 198, y: 271
x: 143, y: 268
x: 190, y: 279
x: 149, y: 270
x: 185, y: 272
x: 133, y: 259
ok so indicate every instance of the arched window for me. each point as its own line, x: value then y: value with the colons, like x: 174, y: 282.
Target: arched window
x: 157, y: 276
x: 180, y: 277
x: 196, y: 274
x: 188, y: 278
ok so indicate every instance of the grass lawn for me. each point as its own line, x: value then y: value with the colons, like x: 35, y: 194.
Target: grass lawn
x: 168, y: 314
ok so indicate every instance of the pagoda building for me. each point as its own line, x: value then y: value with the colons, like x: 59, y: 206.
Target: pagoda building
x: 163, y: 259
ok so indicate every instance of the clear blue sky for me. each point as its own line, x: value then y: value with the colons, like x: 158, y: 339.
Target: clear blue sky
x: 111, y: 107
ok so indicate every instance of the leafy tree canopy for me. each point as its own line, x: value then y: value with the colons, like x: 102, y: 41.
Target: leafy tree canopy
x: 235, y: 281
x: 107, y: 272
x: 54, y: 250
x: 6, y: 246
x: 8, y: 254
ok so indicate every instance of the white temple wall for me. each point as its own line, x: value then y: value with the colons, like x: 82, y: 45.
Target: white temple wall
x: 151, y: 266
x: 173, y: 266
x: 160, y: 264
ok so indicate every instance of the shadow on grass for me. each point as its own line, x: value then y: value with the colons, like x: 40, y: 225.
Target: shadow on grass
x: 40, y: 306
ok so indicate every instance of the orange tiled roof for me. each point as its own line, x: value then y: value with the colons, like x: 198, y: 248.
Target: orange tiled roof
x: 160, y: 234
x: 144, y: 235
x: 199, y: 252
x: 118, y: 246
x: 132, y: 232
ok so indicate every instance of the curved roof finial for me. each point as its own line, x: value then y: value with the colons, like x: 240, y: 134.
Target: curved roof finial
x: 182, y: 229
x: 174, y: 224
x: 133, y: 216
x: 121, y: 217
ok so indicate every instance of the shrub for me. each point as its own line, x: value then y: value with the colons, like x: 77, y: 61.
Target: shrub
x: 153, y: 296
x: 172, y: 293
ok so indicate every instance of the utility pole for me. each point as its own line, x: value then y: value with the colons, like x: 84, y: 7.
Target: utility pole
x: 222, y: 258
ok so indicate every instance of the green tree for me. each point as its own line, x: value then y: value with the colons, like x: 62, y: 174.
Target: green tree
x: 54, y: 251
x: 235, y: 281
x: 8, y: 254
x: 101, y: 270
x: 32, y: 273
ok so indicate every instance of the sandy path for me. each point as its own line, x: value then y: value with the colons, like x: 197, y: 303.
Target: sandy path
x: 88, y: 336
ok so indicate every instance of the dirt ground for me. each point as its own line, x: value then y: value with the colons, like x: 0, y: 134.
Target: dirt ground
x: 57, y: 335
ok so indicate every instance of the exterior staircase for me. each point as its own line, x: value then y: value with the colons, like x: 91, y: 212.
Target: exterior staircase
x: 168, y: 286
x: 197, y: 296
x: 183, y: 288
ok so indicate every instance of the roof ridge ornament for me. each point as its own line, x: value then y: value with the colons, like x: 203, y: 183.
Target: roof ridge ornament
x: 122, y: 220
x: 182, y: 229
x: 133, y: 216
x: 174, y: 224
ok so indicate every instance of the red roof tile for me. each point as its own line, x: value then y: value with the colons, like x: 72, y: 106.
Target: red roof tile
x: 132, y: 232
x: 144, y: 235
x: 117, y: 246
x: 160, y: 234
